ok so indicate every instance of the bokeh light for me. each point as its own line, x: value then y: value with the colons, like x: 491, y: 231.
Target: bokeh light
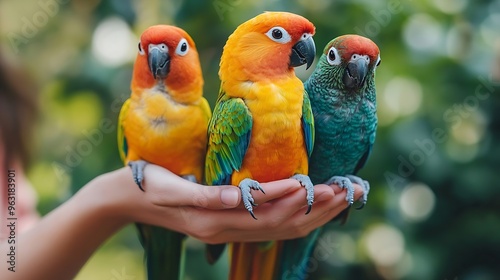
x: 416, y: 202
x: 384, y: 244
x: 422, y: 32
x: 113, y: 43
x: 402, y: 96
x: 450, y: 6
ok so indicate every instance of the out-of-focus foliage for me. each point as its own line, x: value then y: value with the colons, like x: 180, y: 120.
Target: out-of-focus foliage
x: 433, y: 211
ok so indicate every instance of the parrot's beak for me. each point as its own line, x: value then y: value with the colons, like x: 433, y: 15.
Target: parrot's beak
x: 355, y: 73
x: 303, y: 52
x: 159, y: 62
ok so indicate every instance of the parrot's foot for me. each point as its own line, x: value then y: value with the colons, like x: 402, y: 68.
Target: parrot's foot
x: 245, y: 186
x: 366, y: 189
x: 343, y: 183
x: 190, y: 178
x: 305, y: 181
x: 138, y: 171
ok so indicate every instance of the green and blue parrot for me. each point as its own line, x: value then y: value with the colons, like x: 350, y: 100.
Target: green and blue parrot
x: 343, y: 100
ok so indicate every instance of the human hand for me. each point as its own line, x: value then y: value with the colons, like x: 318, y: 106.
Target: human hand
x: 213, y: 214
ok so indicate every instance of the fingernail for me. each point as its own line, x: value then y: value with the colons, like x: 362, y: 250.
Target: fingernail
x: 229, y: 197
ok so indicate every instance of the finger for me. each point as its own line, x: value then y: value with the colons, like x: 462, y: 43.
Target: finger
x: 274, y: 218
x: 275, y: 189
x: 274, y: 213
x: 358, y: 190
x: 326, y: 211
x: 175, y: 191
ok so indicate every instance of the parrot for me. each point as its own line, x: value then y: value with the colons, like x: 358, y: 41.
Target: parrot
x: 262, y: 127
x: 343, y: 99
x: 164, y: 122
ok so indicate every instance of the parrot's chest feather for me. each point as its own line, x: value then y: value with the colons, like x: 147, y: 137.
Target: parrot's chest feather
x: 163, y: 131
x: 160, y: 112
x: 277, y: 139
x: 346, y: 128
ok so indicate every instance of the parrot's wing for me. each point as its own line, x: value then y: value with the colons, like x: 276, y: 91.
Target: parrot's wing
x: 229, y: 133
x: 366, y: 155
x: 308, y: 123
x: 122, y: 141
x: 362, y: 160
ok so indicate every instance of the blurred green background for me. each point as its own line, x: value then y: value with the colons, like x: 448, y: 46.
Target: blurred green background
x: 434, y: 210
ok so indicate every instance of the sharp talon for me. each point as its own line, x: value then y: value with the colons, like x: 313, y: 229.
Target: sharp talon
x: 309, y: 207
x: 262, y: 190
x: 137, y: 167
x: 305, y: 182
x: 366, y: 189
x: 246, y: 185
x: 253, y: 216
x: 344, y: 183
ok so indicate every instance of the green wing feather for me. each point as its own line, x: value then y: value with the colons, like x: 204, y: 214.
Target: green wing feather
x: 122, y: 141
x: 229, y: 133
x: 308, y: 123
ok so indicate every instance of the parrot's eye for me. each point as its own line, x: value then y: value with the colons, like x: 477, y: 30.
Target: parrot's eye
x: 141, y: 51
x: 182, y: 48
x: 333, y: 56
x: 279, y: 34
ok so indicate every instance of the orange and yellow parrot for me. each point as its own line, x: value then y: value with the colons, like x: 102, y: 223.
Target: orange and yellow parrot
x: 262, y: 128
x: 164, y: 122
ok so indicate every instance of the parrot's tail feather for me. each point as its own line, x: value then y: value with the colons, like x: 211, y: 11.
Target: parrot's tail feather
x: 342, y: 217
x: 162, y: 252
x: 214, y: 251
x: 255, y: 261
x: 295, y: 256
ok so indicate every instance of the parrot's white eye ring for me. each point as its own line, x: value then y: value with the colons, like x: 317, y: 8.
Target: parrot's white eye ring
x: 333, y: 57
x: 141, y: 50
x: 279, y: 34
x: 182, y: 48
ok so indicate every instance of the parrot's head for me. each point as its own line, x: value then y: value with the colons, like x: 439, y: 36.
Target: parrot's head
x: 267, y: 46
x: 349, y: 62
x: 167, y: 60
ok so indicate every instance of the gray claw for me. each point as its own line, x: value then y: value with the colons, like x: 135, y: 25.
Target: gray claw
x: 305, y: 181
x: 366, y: 189
x: 343, y: 183
x: 245, y: 186
x: 137, y: 167
x: 190, y: 178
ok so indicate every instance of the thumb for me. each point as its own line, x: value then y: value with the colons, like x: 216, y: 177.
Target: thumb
x: 214, y: 197
x: 168, y: 189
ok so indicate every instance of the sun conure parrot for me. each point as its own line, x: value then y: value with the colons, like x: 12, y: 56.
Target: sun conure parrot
x: 164, y: 122
x: 262, y: 127
x: 343, y: 99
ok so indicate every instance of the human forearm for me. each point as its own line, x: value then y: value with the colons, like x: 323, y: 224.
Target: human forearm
x: 60, y: 244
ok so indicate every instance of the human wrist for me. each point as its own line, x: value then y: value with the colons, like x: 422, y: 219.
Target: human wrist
x: 109, y: 198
